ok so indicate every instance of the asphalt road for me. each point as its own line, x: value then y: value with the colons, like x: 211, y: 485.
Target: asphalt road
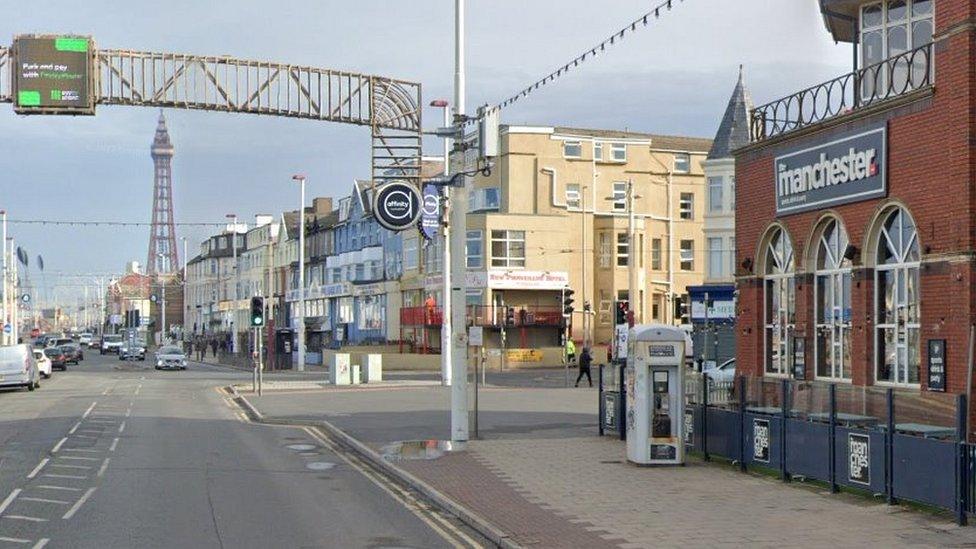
x: 113, y: 454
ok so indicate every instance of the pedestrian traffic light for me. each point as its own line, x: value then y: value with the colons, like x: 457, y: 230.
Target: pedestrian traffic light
x: 568, y: 302
x: 681, y: 312
x: 257, y: 311
x: 621, y: 311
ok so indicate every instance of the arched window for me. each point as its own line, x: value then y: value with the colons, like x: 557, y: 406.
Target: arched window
x: 780, y: 302
x: 833, y: 298
x: 897, y: 300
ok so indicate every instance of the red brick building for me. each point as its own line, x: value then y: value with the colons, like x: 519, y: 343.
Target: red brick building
x: 855, y: 208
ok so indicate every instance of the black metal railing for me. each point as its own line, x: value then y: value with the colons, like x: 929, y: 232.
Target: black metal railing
x: 893, y: 77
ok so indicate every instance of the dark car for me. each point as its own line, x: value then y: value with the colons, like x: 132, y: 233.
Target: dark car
x: 72, y: 353
x: 58, y: 359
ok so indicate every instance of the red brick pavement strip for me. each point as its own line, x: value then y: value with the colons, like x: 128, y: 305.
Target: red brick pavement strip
x: 465, y: 479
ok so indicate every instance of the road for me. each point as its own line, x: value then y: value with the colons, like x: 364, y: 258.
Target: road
x: 113, y: 454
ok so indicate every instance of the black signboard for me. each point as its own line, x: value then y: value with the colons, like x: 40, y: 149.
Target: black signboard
x: 397, y: 206
x: 610, y: 411
x: 847, y: 169
x: 663, y: 451
x: 937, y: 365
x: 760, y: 440
x: 859, y: 458
x: 799, y: 358
x: 430, y: 220
x: 53, y: 74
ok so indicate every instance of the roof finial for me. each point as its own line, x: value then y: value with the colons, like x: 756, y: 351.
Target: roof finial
x: 740, y: 73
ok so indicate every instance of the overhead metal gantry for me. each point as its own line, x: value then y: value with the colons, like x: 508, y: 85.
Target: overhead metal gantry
x: 390, y: 107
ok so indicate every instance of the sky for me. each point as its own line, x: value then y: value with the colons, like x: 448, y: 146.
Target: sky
x: 672, y: 77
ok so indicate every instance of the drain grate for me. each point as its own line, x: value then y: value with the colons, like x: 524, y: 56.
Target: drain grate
x: 611, y: 461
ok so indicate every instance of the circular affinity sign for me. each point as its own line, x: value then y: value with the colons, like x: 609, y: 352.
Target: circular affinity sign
x: 397, y: 206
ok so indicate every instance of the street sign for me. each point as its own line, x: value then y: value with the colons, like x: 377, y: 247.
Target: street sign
x: 25, y: 298
x: 397, y: 206
x: 53, y: 75
x: 430, y: 220
x: 476, y: 336
x: 152, y: 297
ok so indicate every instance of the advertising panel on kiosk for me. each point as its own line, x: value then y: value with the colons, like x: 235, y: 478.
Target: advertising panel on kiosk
x: 654, y: 379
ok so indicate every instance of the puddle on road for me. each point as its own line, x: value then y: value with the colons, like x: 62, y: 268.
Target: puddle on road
x: 301, y: 447
x: 319, y: 465
x: 419, y: 449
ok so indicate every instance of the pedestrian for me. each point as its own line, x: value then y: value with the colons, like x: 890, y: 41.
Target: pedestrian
x: 584, y: 366
x: 201, y: 349
x: 213, y: 347
x: 570, y: 351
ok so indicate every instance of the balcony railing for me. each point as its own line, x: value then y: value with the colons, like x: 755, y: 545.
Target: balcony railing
x: 891, y: 78
x: 486, y: 315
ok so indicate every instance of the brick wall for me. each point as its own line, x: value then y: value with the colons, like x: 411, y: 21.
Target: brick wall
x: 930, y: 171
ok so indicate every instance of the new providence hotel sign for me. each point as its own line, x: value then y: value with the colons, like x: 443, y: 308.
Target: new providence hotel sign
x: 848, y: 169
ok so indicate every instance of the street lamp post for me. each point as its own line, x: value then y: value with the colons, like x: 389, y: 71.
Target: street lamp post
x: 446, y: 326
x: 237, y: 282
x: 162, y: 307
x: 4, y: 305
x: 301, y: 274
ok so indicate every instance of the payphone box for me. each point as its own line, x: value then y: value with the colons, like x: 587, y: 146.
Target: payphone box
x: 655, y: 381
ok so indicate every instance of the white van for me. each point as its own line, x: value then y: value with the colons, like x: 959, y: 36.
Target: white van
x: 18, y: 367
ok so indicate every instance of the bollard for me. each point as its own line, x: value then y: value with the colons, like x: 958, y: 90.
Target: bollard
x: 962, y: 465
x: 890, y: 450
x: 832, y: 440
x: 601, y: 411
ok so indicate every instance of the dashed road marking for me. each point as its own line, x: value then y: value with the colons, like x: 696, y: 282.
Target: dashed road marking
x: 23, y: 517
x: 49, y: 475
x: 10, y: 499
x: 37, y: 469
x: 45, y: 500
x: 14, y: 540
x: 75, y: 428
x: 58, y: 445
x: 115, y: 442
x: 78, y: 458
x: 139, y: 388
x: 41, y: 543
x: 101, y: 470
x: 81, y: 450
x: 83, y: 467
x: 89, y: 410
x: 61, y: 488
x: 122, y: 427
x: 74, y: 508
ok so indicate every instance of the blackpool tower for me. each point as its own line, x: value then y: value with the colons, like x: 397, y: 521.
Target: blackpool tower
x: 162, y: 237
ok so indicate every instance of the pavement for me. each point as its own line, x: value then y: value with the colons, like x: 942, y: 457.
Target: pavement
x: 112, y: 454
x: 539, y: 473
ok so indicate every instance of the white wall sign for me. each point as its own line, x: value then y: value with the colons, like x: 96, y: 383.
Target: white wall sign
x: 476, y: 336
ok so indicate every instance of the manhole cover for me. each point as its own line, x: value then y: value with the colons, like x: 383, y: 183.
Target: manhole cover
x: 319, y: 465
x: 301, y: 447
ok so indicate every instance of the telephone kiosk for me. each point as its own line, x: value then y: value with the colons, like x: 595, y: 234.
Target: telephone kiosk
x: 655, y: 381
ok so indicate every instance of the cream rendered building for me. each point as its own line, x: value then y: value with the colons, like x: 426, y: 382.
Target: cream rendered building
x: 553, y: 214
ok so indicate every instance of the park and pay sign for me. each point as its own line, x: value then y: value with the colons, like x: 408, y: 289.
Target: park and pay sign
x: 397, y: 205
x: 53, y: 74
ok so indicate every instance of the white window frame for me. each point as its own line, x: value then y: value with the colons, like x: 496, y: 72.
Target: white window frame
x: 618, y: 152
x: 686, y: 206
x: 606, y: 250
x: 716, y: 259
x: 411, y: 259
x: 686, y: 255
x: 779, y: 278
x: 685, y: 162
x: 832, y: 332
x: 573, y: 196
x: 884, y: 28
x: 716, y: 183
x: 508, y: 238
x: 474, y: 261
x: 622, y: 244
x: 657, y: 244
x: 598, y: 151
x: 619, y: 196
x: 578, y: 145
x: 904, y: 267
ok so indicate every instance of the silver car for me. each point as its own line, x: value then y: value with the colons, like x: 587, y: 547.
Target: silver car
x: 170, y: 357
x: 18, y: 367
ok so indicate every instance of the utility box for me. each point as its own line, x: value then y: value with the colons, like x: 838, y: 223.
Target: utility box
x: 654, y: 379
x: 372, y: 367
x: 339, y: 369
x: 354, y: 376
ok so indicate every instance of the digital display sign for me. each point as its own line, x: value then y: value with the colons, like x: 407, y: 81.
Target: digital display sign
x: 53, y: 75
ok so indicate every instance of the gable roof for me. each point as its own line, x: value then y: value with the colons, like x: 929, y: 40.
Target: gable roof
x: 733, y: 132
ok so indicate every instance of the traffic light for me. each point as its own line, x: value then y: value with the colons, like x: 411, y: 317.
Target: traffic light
x: 622, y: 309
x: 510, y: 316
x: 681, y: 312
x: 257, y: 311
x: 568, y: 302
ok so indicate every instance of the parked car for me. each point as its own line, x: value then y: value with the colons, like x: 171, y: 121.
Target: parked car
x: 85, y: 339
x: 59, y: 341
x: 136, y: 350
x: 18, y: 367
x: 43, y: 364
x: 724, y: 372
x: 57, y: 357
x: 71, y: 352
x: 95, y: 344
x: 111, y: 343
x: 170, y: 357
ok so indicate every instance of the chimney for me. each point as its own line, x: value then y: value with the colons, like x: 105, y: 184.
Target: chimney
x: 322, y: 205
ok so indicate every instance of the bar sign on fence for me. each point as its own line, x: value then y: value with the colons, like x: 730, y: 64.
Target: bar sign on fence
x: 859, y: 458
x: 937, y: 365
x: 610, y: 411
x: 760, y: 440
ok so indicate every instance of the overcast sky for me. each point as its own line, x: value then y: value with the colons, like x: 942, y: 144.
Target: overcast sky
x: 673, y: 76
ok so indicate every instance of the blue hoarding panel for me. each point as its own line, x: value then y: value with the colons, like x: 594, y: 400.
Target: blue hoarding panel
x: 924, y: 470
x: 762, y: 440
x: 723, y: 427
x: 860, y: 459
x: 807, y: 451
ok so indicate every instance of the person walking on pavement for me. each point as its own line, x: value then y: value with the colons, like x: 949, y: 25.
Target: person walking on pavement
x: 570, y: 351
x: 585, y: 360
x: 213, y: 347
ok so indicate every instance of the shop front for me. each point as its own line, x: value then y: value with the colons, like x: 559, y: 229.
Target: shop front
x: 855, y: 222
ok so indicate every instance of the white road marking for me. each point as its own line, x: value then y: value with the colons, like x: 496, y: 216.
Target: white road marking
x: 10, y: 499
x: 22, y: 517
x: 64, y: 476
x: 88, y: 411
x: 106, y: 391
x: 41, y: 543
x: 87, y: 436
x: 37, y: 469
x: 78, y: 458
x: 122, y: 427
x: 84, y: 467
x: 101, y: 470
x: 115, y: 442
x: 81, y: 450
x: 127, y: 412
x: 96, y: 431
x: 139, y: 388
x: 45, y: 500
x: 58, y: 445
x: 74, y: 508
x: 14, y: 540
x: 75, y: 428
x: 53, y: 487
